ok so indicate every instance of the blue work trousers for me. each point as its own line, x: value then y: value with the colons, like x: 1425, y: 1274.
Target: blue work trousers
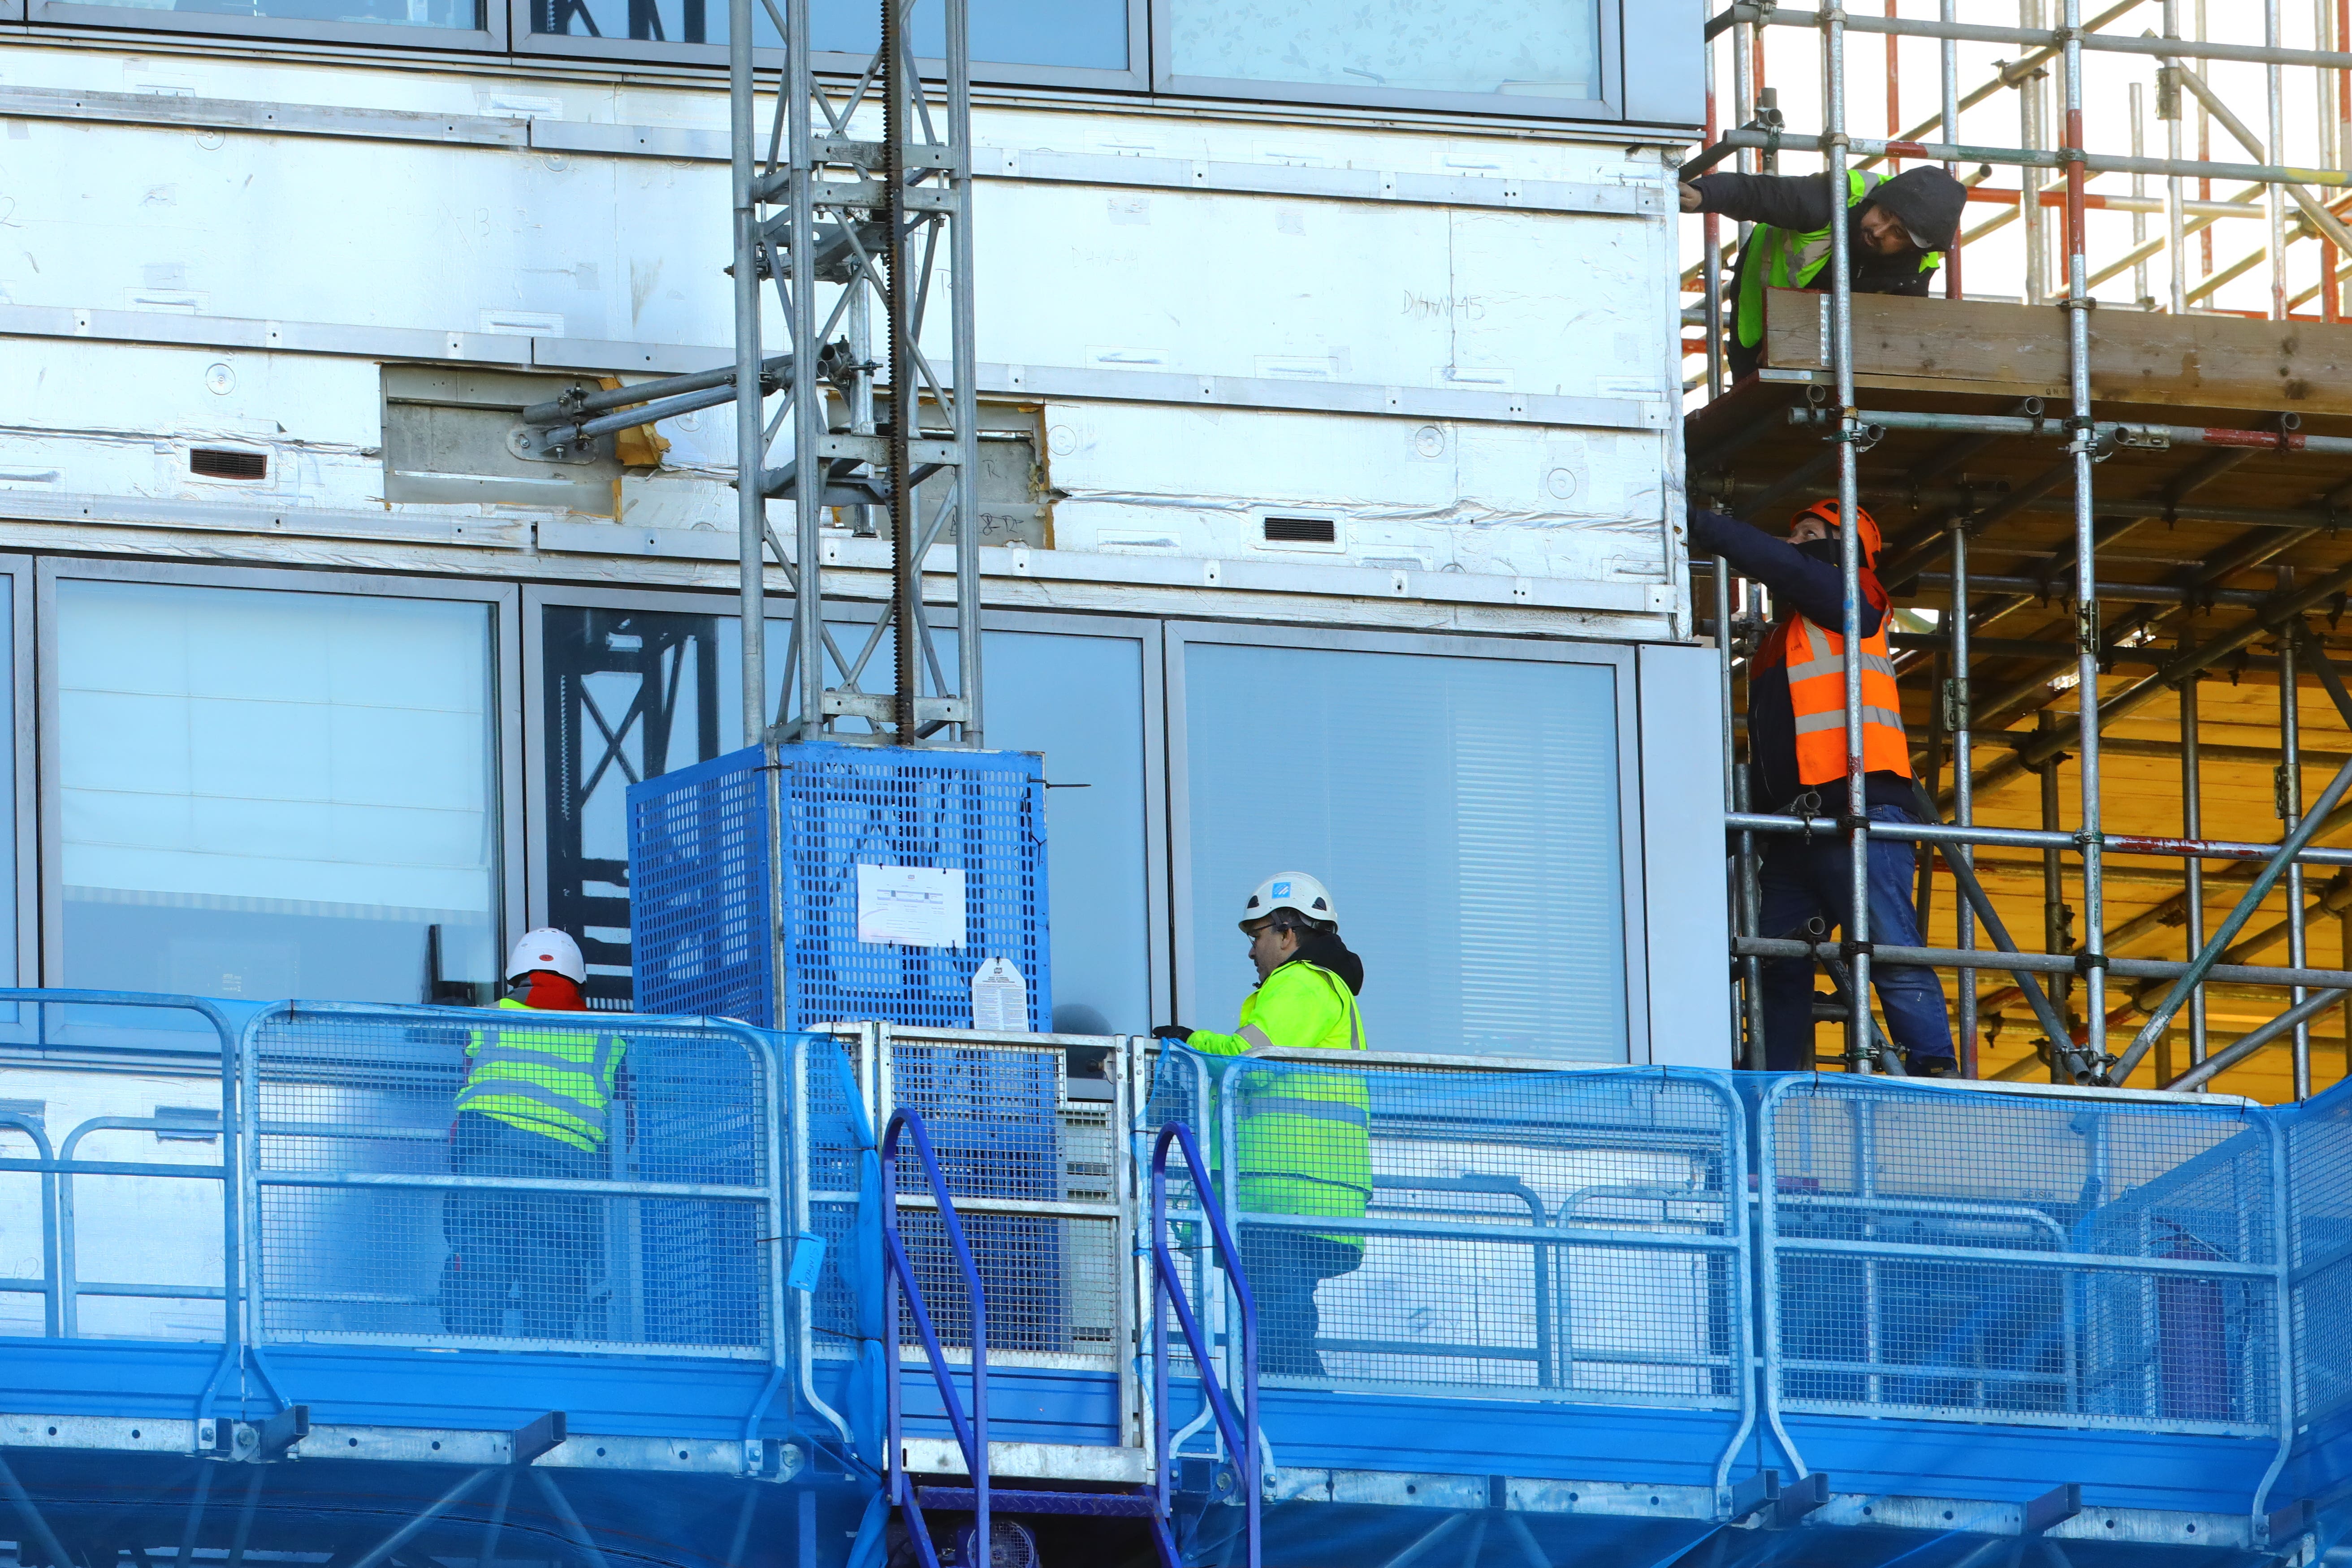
x: 1805, y: 877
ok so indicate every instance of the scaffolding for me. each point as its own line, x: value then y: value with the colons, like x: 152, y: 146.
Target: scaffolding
x: 2100, y: 1013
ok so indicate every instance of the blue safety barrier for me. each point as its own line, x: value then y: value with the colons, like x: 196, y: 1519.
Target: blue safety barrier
x: 970, y: 825
x: 1238, y: 1426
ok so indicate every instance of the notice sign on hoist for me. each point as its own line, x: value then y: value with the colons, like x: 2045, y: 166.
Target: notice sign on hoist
x: 910, y: 906
x: 1000, y: 997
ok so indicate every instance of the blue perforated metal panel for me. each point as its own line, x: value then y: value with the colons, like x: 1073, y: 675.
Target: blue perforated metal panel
x: 699, y: 843
x: 698, y: 846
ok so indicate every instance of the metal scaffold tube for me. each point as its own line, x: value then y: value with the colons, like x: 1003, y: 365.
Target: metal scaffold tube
x: 2162, y: 640
x: 2086, y: 586
x: 1860, y: 1055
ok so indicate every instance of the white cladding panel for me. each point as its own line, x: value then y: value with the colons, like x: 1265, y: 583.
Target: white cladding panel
x: 1398, y: 347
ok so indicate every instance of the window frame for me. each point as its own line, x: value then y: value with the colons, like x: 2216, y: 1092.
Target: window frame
x: 1148, y: 631
x: 507, y: 791
x: 83, y: 15
x: 1620, y: 660
x: 1135, y: 78
x: 1609, y: 108
x: 22, y: 695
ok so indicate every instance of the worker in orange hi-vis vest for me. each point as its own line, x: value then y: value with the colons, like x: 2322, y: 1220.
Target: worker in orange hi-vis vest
x: 1797, y: 759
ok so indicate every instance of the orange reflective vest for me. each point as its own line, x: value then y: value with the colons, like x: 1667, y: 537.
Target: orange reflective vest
x: 1815, y: 663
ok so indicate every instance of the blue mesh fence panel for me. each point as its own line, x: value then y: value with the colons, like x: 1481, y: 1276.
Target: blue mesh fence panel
x: 1946, y: 1254
x: 1006, y: 1137
x: 353, y: 1092
x: 1566, y: 1236
x: 2319, y: 1164
x: 701, y: 930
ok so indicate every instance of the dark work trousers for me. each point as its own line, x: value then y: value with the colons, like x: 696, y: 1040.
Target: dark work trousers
x: 1804, y: 878
x: 531, y: 1250
x: 1284, y: 1267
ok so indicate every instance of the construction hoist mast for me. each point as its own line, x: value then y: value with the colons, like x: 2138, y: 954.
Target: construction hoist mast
x: 857, y: 209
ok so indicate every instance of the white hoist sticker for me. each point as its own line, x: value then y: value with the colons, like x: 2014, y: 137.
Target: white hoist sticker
x: 1000, y: 997
x: 910, y: 906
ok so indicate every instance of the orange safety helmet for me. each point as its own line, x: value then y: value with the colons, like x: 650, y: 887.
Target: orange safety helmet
x: 1827, y: 511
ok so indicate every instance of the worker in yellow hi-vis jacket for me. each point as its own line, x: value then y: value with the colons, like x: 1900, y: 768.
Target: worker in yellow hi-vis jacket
x: 1302, y: 1137
x: 538, y: 1104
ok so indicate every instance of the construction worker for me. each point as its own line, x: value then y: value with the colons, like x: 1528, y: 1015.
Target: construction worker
x: 537, y: 1103
x: 1796, y: 765
x: 1896, y: 232
x: 1302, y: 1135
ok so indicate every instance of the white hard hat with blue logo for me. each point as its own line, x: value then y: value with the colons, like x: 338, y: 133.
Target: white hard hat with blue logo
x: 1290, y: 890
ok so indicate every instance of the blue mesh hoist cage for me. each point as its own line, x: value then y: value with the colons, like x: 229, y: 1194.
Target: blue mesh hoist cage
x: 705, y: 940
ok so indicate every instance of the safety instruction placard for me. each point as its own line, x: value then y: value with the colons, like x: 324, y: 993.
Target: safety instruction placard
x: 910, y: 906
x: 1000, y: 997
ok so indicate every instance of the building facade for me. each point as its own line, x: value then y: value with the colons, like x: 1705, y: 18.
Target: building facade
x: 1332, y: 491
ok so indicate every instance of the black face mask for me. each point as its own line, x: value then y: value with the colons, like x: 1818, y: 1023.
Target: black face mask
x: 1825, y: 551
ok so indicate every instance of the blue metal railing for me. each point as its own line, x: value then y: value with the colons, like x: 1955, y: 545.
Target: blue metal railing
x: 970, y: 1428
x: 1239, y: 1428
x: 308, y: 1055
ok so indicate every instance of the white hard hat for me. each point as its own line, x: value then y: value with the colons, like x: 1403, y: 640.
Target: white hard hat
x: 1290, y: 890
x: 547, y: 948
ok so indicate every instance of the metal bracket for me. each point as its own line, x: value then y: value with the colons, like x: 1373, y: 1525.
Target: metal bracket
x: 273, y: 1439
x: 536, y: 1437
x: 2056, y: 1506
x: 2141, y: 437
x: 1798, y: 1499
x: 2284, y: 1524
x: 1757, y: 1492
x: 532, y: 444
x: 882, y: 710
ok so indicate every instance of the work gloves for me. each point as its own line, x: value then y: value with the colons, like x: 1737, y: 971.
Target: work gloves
x: 1180, y: 1033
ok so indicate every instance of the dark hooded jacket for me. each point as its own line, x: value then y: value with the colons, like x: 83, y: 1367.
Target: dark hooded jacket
x: 1928, y: 202
x: 1324, y: 949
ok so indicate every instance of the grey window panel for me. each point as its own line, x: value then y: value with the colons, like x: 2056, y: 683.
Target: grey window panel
x: 1470, y: 812
x: 1556, y: 69
x: 1665, y: 63
x: 1085, y: 56
x: 487, y: 32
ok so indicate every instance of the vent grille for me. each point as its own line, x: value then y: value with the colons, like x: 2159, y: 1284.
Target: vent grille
x: 1301, y: 530
x: 218, y: 463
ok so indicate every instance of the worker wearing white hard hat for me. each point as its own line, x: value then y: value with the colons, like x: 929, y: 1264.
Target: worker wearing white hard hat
x: 1303, y: 1134
x: 537, y: 1102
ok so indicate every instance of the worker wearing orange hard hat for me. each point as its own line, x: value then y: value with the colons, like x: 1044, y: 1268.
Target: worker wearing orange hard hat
x: 1797, y: 767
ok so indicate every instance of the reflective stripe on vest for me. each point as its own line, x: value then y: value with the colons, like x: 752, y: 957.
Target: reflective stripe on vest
x: 554, y: 1082
x: 1793, y: 259
x: 1816, y: 674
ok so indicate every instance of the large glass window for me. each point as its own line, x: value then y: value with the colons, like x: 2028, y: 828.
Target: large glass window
x: 1085, y: 35
x: 463, y: 15
x: 1079, y: 701
x: 1464, y: 813
x: 272, y: 795
x: 1497, y: 48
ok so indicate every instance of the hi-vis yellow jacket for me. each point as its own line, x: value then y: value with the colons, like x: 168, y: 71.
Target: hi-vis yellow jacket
x: 1303, y: 1136
x: 554, y: 1082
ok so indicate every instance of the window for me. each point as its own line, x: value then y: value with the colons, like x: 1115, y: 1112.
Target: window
x: 266, y: 794
x: 1524, y: 57
x: 1080, y: 701
x: 625, y: 695
x: 1464, y: 813
x: 439, y: 23
x: 1036, y: 37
